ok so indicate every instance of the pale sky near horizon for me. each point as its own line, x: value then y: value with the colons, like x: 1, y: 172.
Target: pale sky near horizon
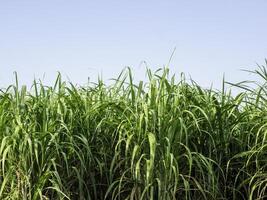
x: 82, y: 39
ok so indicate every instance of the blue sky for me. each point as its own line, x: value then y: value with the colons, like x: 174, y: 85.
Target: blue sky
x: 82, y: 39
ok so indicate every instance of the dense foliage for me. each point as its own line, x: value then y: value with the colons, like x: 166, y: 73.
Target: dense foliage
x: 165, y: 139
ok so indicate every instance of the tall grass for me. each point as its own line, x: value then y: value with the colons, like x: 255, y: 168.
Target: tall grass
x: 163, y: 139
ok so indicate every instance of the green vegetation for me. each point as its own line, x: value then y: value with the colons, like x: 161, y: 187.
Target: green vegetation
x: 165, y: 139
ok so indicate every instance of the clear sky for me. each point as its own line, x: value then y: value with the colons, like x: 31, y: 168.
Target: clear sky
x: 85, y: 38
